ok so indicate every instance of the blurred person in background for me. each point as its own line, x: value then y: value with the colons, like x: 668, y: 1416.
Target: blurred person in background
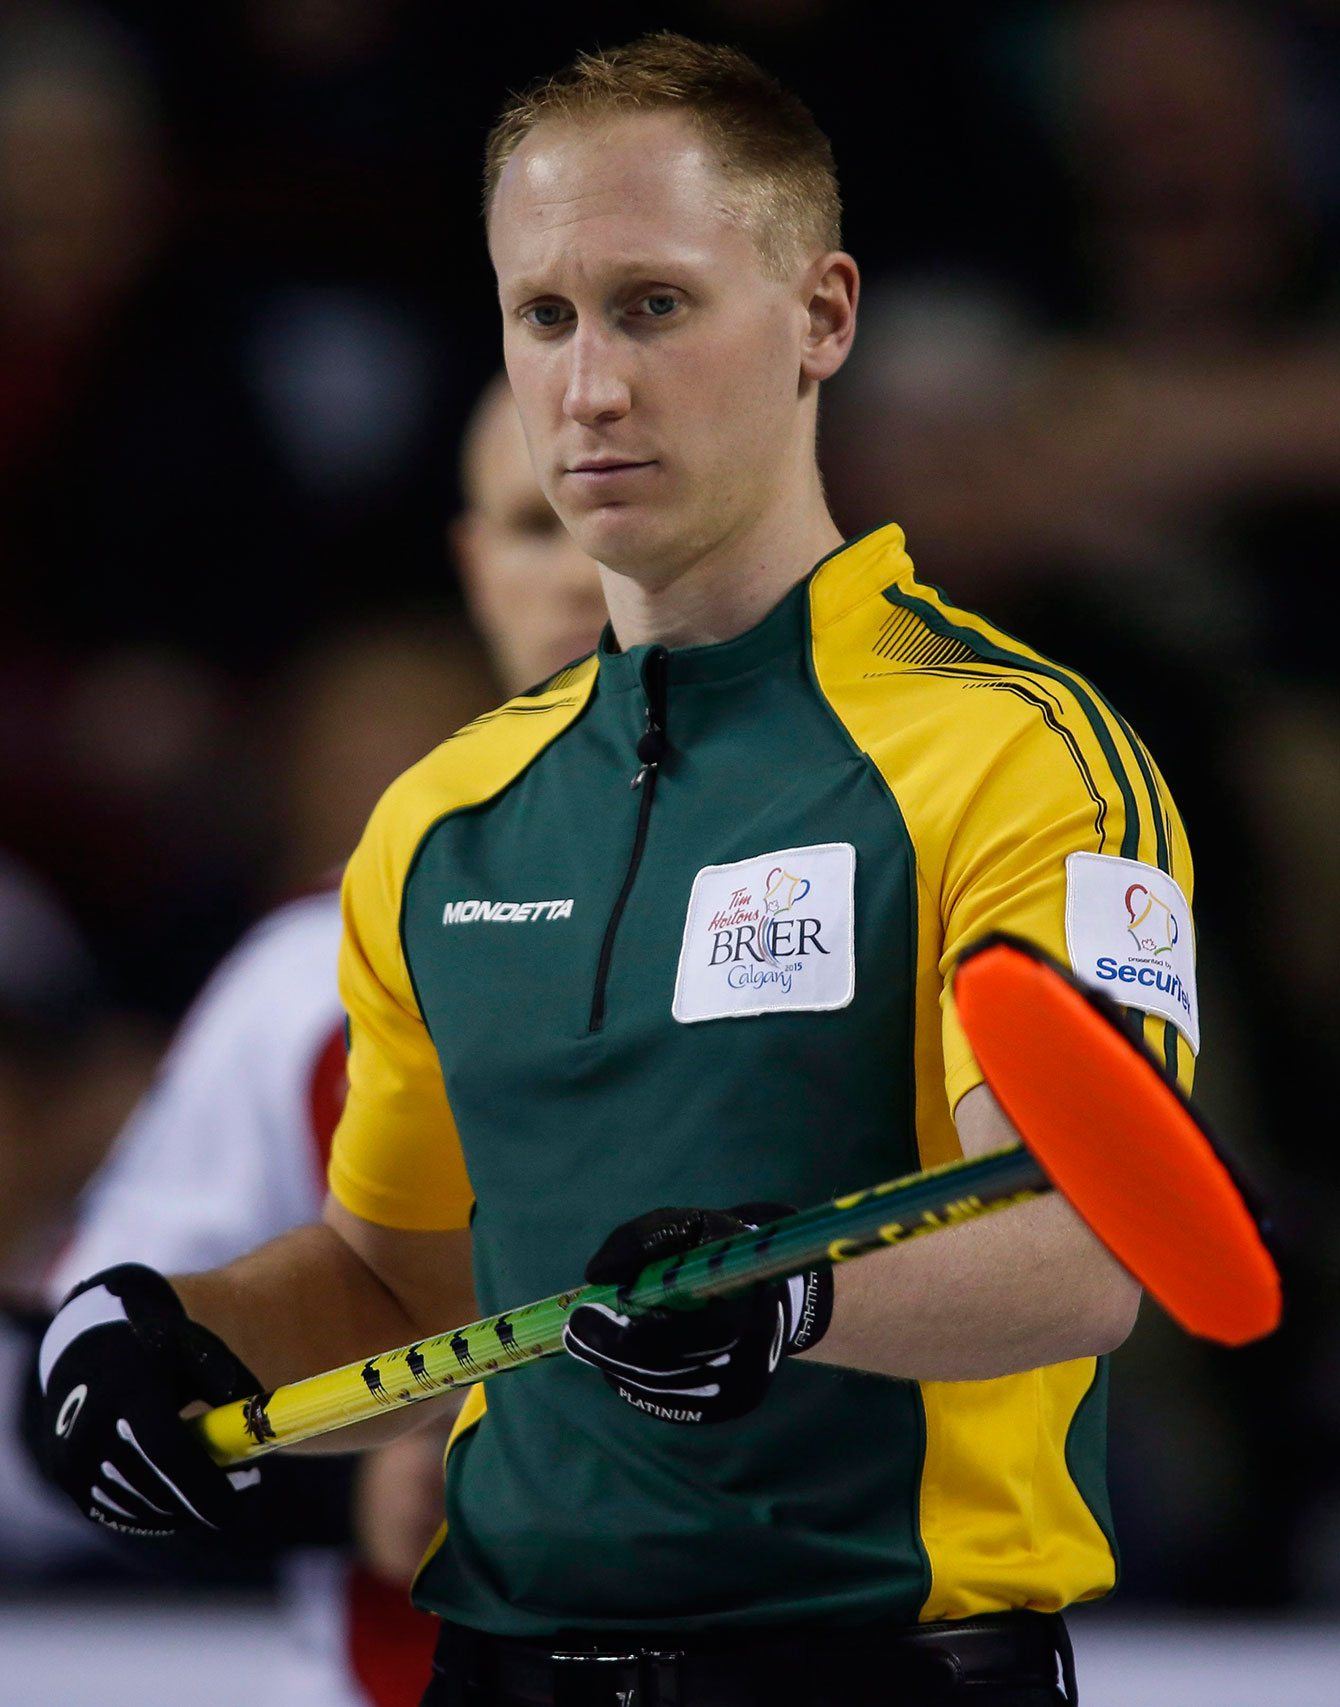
x: 532, y: 594
x: 231, y: 1146
x: 1152, y: 489
x: 85, y: 206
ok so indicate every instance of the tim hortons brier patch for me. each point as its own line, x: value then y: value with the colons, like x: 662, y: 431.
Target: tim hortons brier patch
x: 1128, y: 930
x: 770, y: 934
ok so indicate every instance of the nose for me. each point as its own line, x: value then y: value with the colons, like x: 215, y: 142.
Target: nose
x: 597, y: 391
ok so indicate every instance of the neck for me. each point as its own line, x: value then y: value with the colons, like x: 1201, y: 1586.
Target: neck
x: 728, y: 588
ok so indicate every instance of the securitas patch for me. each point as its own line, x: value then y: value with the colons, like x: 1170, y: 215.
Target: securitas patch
x: 769, y: 934
x: 1128, y: 930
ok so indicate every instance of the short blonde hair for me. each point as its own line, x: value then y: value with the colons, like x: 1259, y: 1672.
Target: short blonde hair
x: 769, y: 147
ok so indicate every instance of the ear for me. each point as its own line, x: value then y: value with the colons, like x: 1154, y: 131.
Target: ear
x: 832, y: 285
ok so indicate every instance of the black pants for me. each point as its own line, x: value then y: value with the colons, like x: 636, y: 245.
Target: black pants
x: 1012, y: 1660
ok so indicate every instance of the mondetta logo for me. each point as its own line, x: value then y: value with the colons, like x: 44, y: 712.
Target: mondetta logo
x: 768, y: 933
x: 504, y: 912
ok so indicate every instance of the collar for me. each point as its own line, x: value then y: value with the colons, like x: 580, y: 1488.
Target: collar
x: 850, y: 574
x: 859, y: 570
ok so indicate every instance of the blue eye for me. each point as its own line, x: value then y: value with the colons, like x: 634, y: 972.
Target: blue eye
x: 544, y: 315
x: 660, y: 305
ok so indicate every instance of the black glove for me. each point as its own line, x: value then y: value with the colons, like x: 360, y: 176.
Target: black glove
x: 706, y: 1364
x: 118, y: 1363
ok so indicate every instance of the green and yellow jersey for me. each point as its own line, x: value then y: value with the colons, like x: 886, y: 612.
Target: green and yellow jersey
x: 576, y: 992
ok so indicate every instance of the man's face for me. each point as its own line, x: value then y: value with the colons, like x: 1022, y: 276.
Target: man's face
x: 656, y: 368
x: 535, y: 597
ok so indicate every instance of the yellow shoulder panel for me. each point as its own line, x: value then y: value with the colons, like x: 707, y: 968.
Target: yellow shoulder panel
x: 1001, y: 762
x: 396, y: 1157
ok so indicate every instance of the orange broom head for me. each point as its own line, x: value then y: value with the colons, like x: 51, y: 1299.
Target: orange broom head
x: 1117, y: 1138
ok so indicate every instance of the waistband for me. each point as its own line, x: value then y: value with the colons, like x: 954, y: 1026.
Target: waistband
x: 950, y: 1661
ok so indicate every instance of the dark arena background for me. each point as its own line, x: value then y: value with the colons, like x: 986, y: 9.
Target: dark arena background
x: 245, y: 310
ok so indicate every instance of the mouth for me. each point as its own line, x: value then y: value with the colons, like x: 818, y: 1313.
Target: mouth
x: 606, y: 468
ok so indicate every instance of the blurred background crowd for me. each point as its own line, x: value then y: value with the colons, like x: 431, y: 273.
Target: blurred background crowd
x: 245, y: 313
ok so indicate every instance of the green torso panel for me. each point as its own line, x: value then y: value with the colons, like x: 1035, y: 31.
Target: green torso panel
x: 594, y: 1103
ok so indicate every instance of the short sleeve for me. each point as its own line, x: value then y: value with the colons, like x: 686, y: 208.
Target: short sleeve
x: 1051, y: 792
x: 396, y: 1156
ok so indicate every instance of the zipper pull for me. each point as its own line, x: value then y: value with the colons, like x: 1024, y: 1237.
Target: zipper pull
x: 653, y: 743
x: 651, y: 749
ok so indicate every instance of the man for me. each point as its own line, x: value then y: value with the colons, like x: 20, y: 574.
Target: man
x: 736, y: 852
x: 231, y: 1146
